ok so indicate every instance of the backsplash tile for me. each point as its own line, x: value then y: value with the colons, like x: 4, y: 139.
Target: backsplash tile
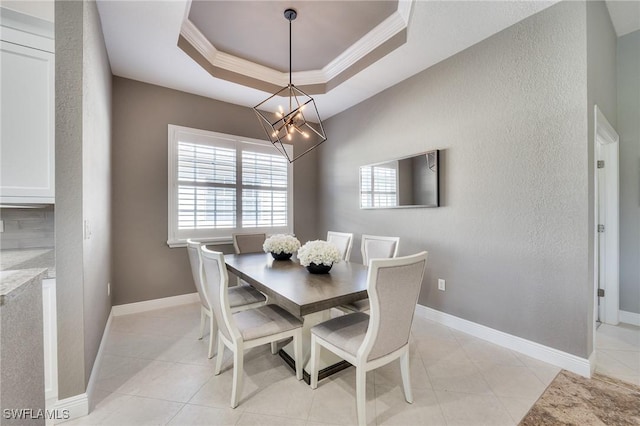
x: 27, y: 228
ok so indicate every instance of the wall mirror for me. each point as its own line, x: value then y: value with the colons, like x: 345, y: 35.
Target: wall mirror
x: 400, y: 183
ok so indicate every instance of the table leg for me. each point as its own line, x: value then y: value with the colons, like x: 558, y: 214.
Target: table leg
x: 329, y: 362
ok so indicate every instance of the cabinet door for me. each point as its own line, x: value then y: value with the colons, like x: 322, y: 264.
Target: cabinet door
x: 27, y: 124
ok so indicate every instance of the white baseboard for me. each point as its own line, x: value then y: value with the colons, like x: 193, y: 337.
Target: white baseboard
x: 79, y: 405
x: 71, y: 408
x: 573, y: 363
x: 150, y: 305
x: 98, y: 362
x: 629, y: 318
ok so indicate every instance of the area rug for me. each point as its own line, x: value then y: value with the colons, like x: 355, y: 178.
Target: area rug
x: 574, y: 400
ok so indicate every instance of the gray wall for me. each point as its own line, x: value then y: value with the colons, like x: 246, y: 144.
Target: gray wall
x: 629, y: 131
x: 144, y: 266
x: 83, y: 190
x: 96, y: 191
x: 601, y: 85
x: 512, y: 235
x: 27, y: 228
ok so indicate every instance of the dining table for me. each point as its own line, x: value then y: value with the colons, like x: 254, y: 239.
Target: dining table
x: 308, y: 296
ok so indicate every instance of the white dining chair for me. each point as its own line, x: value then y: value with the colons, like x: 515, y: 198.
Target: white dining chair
x: 246, y: 329
x: 240, y: 297
x: 371, y: 341
x: 343, y: 242
x: 372, y: 247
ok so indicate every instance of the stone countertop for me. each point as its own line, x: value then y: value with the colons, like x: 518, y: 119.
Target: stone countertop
x: 13, y: 282
x: 15, y: 259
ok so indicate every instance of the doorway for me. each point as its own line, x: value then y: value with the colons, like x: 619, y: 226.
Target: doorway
x: 607, y: 235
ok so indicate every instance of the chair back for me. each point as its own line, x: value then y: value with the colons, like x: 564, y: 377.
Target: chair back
x: 248, y: 243
x: 193, y: 250
x: 215, y: 281
x: 374, y: 247
x: 393, y: 286
x: 343, y: 241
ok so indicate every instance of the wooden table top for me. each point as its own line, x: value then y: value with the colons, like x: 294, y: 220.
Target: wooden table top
x: 290, y: 285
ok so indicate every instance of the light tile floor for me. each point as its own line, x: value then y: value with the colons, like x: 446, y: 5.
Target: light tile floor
x: 155, y: 371
x: 618, y: 352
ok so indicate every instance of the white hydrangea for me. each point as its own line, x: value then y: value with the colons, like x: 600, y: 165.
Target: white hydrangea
x: 280, y: 243
x: 318, y: 252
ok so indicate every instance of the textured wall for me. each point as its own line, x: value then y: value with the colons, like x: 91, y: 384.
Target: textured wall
x: 511, y: 237
x: 629, y: 130
x: 68, y: 220
x: 144, y: 267
x: 601, y: 91
x: 96, y: 198
x: 83, y: 191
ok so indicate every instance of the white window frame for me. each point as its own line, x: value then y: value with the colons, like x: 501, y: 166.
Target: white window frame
x: 177, y: 237
x: 372, y: 192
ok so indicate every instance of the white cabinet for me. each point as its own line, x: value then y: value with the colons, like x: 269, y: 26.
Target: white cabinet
x: 50, y: 336
x: 27, y: 119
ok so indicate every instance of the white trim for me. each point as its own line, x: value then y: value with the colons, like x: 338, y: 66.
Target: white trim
x: 93, y: 378
x: 208, y: 241
x: 535, y: 350
x: 629, y: 318
x: 76, y: 406
x: 26, y: 30
x: 388, y: 28
x: 592, y: 362
x: 150, y: 305
x: 50, y: 338
x: 177, y: 237
x: 606, y: 148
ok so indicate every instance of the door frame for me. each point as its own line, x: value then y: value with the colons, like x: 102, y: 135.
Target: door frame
x: 606, y: 148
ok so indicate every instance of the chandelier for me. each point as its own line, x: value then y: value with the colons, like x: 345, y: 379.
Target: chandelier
x: 298, y: 125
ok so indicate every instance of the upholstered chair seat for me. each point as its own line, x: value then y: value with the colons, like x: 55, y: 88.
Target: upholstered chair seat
x: 371, y: 341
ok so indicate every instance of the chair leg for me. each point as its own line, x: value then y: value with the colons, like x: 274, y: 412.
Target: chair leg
x: 297, y: 353
x: 202, y: 315
x: 213, y: 336
x: 238, y: 369
x: 219, y: 356
x: 406, y: 376
x: 361, y: 395
x: 274, y: 348
x: 315, y: 362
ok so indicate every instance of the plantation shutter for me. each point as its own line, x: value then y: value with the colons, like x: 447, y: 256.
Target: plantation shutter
x: 264, y: 189
x: 206, y: 186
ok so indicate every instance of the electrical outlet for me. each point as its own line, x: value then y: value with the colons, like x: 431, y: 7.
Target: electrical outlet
x: 108, y: 289
x: 441, y: 284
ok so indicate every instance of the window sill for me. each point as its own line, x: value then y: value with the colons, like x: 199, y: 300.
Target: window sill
x: 208, y: 241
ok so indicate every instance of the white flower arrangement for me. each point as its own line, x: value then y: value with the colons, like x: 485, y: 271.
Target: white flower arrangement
x: 280, y: 243
x: 319, y: 252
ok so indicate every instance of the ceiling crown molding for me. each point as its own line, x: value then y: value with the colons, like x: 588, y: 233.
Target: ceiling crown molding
x: 391, y: 26
x: 242, y: 71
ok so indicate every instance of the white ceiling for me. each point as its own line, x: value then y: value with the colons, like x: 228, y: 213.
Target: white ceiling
x: 625, y: 15
x: 141, y: 39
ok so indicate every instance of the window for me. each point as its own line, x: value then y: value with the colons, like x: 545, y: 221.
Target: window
x: 220, y: 184
x: 378, y: 186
